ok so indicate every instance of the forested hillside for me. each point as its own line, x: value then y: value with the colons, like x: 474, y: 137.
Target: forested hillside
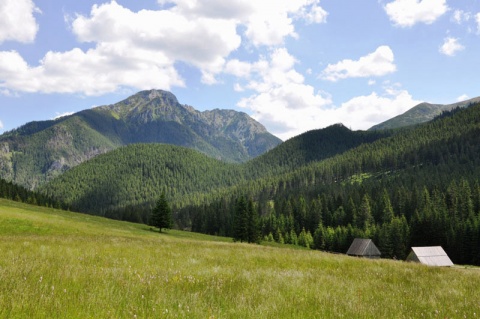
x: 312, y: 146
x: 124, y: 183
x: 417, y: 187
x: 39, y: 151
x: 8, y: 190
x: 408, y: 187
x: 131, y: 178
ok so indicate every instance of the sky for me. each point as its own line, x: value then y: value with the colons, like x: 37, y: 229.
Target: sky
x: 293, y: 65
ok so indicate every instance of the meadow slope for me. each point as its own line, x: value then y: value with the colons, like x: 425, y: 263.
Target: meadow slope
x: 58, y: 264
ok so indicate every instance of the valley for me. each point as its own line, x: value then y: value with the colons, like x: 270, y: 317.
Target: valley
x: 411, y: 186
x: 63, y: 264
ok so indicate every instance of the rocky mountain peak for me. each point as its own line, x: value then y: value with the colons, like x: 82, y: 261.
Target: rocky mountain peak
x: 164, y: 96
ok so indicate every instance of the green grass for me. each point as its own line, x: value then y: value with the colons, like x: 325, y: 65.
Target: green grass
x: 56, y: 264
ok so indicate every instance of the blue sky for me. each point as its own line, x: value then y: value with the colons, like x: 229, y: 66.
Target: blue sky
x: 293, y: 65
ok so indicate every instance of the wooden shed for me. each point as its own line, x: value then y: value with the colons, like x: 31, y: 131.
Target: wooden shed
x: 431, y: 256
x: 363, y: 248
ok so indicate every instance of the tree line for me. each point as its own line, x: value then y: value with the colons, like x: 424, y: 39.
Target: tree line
x: 418, y: 187
x: 11, y: 191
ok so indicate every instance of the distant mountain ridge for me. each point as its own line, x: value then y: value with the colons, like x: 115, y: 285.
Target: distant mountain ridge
x: 421, y: 113
x: 38, y: 151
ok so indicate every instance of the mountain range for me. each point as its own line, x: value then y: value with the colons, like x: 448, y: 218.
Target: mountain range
x: 39, y: 151
x: 417, y: 186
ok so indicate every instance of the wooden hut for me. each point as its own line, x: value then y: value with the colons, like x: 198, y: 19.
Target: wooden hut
x: 363, y: 248
x: 431, y: 256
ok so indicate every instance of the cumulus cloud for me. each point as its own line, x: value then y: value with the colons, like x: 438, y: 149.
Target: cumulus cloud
x: 451, y: 46
x: 462, y: 97
x: 201, y: 42
x: 280, y: 100
x: 1, y: 125
x: 477, y: 19
x: 378, y: 63
x: 267, y: 22
x: 460, y: 16
x: 94, y: 72
x: 17, y: 22
x: 288, y: 107
x: 363, y: 112
x: 406, y: 13
x: 140, y: 49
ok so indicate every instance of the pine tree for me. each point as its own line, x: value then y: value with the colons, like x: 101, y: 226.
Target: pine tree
x: 253, y: 228
x: 162, y: 214
x: 387, y: 213
x: 364, y: 215
x: 241, y: 220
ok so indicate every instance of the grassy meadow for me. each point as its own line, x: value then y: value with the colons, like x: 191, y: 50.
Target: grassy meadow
x: 56, y: 264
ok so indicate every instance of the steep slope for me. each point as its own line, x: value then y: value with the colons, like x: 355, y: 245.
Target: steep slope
x: 311, y: 146
x: 418, y: 187
x: 38, y: 151
x: 156, y: 116
x: 136, y: 175
x: 421, y: 113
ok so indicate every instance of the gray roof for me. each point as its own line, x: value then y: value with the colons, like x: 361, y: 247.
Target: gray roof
x: 432, y: 256
x: 363, y: 247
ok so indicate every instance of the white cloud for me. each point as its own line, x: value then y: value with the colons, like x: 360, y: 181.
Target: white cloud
x: 202, y: 42
x: 316, y: 15
x: 460, y: 16
x: 17, y: 22
x: 140, y: 49
x: 378, y: 63
x: 462, y: 98
x: 267, y: 22
x: 451, y: 46
x: 363, y: 112
x: 281, y: 100
x: 97, y: 71
x: 406, y: 13
x: 58, y: 115
x: 238, y: 68
x: 287, y: 106
x: 1, y: 125
x: 477, y: 19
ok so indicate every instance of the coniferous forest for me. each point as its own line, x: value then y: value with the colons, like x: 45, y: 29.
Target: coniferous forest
x: 412, y: 186
x: 418, y: 187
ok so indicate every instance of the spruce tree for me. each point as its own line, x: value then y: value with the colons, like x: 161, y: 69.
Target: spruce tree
x: 162, y: 214
x: 241, y: 220
x: 253, y: 226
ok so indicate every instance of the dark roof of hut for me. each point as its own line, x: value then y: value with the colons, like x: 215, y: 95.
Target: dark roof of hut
x: 363, y: 247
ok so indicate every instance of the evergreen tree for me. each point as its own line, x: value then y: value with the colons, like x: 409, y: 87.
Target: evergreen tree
x: 241, y: 220
x: 162, y: 214
x: 253, y: 228
x: 364, y: 215
x: 387, y: 213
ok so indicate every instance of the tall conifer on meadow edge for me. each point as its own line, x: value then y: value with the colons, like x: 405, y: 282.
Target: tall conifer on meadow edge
x: 162, y: 214
x: 241, y: 220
